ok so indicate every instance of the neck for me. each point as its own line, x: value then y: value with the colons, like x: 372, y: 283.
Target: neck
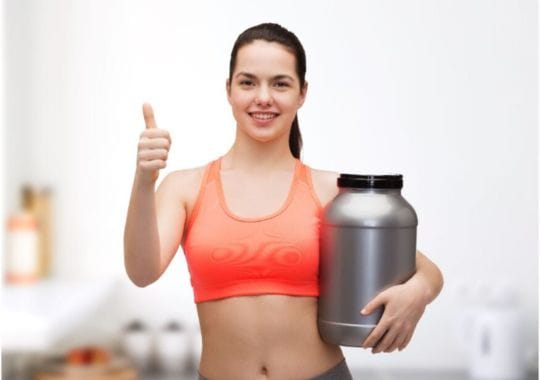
x: 252, y: 155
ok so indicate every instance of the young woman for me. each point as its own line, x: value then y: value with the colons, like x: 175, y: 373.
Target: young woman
x: 248, y: 224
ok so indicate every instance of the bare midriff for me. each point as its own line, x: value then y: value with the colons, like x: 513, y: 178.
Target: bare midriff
x: 267, y: 336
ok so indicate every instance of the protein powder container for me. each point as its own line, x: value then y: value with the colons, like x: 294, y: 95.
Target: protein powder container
x: 367, y: 244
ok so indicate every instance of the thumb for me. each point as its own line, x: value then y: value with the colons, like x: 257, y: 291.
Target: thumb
x: 373, y: 304
x: 148, y: 114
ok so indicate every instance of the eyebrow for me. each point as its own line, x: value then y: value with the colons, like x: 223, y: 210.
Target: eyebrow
x: 277, y: 77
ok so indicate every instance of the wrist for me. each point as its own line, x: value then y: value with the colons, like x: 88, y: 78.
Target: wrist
x: 145, y: 180
x: 422, y: 287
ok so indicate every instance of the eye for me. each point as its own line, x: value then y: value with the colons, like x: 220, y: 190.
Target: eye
x: 246, y: 82
x: 282, y: 84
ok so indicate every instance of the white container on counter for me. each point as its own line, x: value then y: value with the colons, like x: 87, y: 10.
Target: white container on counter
x: 492, y: 332
x: 196, y: 345
x: 172, y: 348
x: 22, y: 255
x: 138, y: 345
x: 497, y: 347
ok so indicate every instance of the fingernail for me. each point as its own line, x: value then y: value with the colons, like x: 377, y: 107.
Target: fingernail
x: 364, y: 311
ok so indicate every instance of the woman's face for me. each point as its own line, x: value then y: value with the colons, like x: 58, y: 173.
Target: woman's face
x: 264, y: 91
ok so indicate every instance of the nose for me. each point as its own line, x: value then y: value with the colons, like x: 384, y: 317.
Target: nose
x: 264, y: 97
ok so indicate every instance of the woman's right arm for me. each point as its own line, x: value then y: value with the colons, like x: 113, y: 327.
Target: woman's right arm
x: 151, y: 242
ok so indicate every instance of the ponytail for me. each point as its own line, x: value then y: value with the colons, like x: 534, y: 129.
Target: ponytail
x: 295, y: 138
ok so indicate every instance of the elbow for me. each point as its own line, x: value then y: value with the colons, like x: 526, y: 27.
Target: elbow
x: 139, y: 273
x: 441, y: 280
x: 141, y: 281
x: 438, y: 283
x: 140, y: 278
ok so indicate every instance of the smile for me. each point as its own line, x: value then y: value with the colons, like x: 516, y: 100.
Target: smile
x: 263, y: 115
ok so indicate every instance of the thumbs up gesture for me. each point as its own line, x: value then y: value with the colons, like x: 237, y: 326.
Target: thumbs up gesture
x: 153, y: 147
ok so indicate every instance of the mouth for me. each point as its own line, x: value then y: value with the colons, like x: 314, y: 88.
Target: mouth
x: 263, y: 116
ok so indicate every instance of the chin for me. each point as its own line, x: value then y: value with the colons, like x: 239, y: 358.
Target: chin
x: 265, y: 134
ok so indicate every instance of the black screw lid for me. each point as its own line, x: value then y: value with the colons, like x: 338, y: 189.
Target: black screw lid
x: 370, y: 181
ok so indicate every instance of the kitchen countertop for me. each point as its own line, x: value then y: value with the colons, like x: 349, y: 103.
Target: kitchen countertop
x: 361, y: 374
x: 35, y: 316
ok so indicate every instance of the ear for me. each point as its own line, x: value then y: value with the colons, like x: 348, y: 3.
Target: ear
x: 228, y: 89
x: 303, y: 94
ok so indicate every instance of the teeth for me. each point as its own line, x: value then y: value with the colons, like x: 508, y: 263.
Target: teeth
x: 263, y: 116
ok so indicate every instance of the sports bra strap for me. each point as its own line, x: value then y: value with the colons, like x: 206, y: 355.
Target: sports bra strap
x: 302, y: 174
x: 213, y: 171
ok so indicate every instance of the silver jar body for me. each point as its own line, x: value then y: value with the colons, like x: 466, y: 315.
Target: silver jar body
x: 367, y: 244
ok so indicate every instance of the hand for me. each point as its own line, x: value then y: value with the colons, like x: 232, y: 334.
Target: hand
x: 153, y: 147
x: 404, y: 305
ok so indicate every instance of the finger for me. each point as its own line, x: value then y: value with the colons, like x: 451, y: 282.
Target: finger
x: 148, y: 114
x: 379, y: 300
x: 152, y: 133
x: 154, y: 143
x: 153, y: 154
x: 397, y: 333
x: 398, y: 343
x: 406, y: 342
x: 395, y: 342
x: 386, y: 341
x: 375, y: 335
x: 153, y: 165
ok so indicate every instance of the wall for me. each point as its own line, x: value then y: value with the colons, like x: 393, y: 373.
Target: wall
x: 443, y: 92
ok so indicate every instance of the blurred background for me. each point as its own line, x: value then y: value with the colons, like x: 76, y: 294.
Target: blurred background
x: 443, y: 92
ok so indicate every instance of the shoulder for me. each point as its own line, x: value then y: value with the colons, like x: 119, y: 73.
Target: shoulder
x: 324, y: 184
x: 184, y: 177
x: 183, y: 184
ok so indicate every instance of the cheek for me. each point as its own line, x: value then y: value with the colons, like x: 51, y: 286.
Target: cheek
x: 240, y: 101
x: 289, y: 103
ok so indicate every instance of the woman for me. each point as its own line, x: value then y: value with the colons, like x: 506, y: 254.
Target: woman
x: 248, y: 224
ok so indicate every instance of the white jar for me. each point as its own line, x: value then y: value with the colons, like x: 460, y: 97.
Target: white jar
x: 497, y: 344
x: 172, y: 348
x: 22, y: 260
x: 138, y: 345
x: 196, y: 345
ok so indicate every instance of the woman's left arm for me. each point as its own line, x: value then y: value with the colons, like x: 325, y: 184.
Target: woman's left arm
x: 404, y: 304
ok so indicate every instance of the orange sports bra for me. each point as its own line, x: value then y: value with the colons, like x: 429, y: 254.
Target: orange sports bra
x: 228, y: 255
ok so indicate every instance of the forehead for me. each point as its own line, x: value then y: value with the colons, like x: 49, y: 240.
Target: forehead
x: 265, y: 58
